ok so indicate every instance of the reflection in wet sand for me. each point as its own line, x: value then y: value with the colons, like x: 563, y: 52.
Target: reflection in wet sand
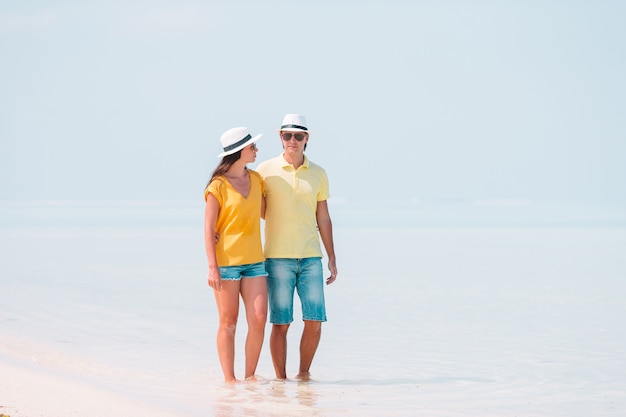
x: 267, y: 398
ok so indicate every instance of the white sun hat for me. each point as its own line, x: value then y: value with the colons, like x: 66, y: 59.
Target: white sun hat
x: 294, y: 123
x: 236, y: 139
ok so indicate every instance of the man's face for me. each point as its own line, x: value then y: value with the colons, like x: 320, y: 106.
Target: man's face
x: 294, y: 141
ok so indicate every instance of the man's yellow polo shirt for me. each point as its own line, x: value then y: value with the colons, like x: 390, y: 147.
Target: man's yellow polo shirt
x: 238, y: 222
x: 291, y: 198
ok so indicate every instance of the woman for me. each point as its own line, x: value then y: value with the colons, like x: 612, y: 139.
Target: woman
x: 234, y: 201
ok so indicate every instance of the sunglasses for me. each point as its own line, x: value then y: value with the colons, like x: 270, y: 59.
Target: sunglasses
x: 297, y: 136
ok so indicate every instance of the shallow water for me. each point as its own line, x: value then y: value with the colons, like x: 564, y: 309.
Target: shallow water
x: 512, y: 317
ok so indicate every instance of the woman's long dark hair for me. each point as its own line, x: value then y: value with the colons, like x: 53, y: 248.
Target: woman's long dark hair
x: 224, y: 166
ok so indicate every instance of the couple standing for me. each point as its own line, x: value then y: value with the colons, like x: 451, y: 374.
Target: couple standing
x: 290, y: 193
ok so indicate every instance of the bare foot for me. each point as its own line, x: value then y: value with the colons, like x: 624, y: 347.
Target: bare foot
x: 252, y: 378
x: 303, y: 376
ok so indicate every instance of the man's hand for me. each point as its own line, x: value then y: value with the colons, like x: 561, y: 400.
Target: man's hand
x: 332, y: 267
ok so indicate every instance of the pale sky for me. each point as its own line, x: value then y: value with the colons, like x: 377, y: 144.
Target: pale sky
x: 124, y: 100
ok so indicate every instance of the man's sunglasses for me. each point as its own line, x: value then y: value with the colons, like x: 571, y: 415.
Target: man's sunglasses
x: 297, y: 136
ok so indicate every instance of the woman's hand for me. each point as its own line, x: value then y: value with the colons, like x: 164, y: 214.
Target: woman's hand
x: 215, y: 279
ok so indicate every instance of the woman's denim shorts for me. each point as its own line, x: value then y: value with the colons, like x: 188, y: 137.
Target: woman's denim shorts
x: 303, y: 275
x: 243, y: 271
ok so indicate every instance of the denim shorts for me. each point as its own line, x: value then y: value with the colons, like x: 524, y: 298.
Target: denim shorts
x: 243, y: 271
x: 303, y: 275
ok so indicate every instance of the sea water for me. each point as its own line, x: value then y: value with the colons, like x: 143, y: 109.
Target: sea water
x: 440, y: 309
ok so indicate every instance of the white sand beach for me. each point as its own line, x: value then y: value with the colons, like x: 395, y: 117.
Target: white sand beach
x: 432, y: 321
x: 29, y: 389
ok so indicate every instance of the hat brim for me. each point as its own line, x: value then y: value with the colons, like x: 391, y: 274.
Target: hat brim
x: 240, y: 147
x: 292, y: 129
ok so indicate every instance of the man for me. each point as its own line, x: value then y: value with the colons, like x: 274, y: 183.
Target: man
x: 296, y: 191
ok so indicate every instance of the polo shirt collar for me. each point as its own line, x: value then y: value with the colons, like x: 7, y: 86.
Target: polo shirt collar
x: 287, y: 164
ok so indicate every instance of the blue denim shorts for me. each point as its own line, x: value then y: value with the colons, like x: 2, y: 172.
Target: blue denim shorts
x: 243, y: 271
x: 303, y: 275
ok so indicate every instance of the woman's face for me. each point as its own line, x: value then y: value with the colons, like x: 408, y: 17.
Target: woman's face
x: 248, y: 153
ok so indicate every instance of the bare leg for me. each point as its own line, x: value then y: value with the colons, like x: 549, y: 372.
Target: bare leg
x: 254, y: 294
x: 278, y: 347
x: 228, y: 309
x: 308, y: 346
